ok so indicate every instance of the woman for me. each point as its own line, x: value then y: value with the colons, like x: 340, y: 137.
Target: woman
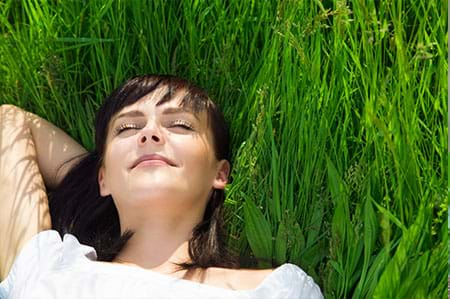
x: 149, y: 199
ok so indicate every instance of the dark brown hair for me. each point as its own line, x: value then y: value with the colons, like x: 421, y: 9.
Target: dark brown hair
x: 76, y: 205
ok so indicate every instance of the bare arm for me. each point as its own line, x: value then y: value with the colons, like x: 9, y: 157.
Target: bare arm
x: 54, y: 147
x: 31, y: 150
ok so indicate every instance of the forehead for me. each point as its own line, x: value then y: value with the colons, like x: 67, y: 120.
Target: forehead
x: 163, y: 99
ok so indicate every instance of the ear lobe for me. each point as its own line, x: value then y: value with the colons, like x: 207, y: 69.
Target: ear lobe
x: 101, y: 182
x: 221, y: 178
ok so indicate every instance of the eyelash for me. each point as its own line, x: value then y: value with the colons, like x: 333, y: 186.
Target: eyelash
x: 177, y: 123
x: 182, y: 123
x: 126, y: 126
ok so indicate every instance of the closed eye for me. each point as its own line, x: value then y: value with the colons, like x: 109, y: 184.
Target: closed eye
x: 181, y: 123
x: 126, y: 126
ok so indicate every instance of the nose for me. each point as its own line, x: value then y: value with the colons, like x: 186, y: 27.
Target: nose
x: 150, y: 135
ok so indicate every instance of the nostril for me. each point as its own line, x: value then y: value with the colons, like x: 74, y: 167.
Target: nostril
x: 143, y: 139
x: 155, y: 138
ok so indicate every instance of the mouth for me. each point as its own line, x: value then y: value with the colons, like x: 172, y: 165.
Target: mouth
x: 153, y: 159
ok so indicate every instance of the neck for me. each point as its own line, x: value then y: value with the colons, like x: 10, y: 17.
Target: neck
x: 158, y: 244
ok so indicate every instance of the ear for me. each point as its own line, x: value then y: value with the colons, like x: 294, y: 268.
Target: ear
x: 101, y: 182
x: 221, y: 179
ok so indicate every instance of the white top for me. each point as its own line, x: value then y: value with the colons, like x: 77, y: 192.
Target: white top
x: 48, y: 267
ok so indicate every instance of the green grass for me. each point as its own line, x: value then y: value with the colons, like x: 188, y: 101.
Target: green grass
x: 337, y: 110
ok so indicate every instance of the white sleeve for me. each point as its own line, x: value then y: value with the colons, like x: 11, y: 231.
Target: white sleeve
x: 31, y: 261
x: 288, y: 282
x: 300, y: 284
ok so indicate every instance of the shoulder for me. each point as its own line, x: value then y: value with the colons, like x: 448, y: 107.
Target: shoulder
x: 285, y: 281
x: 293, y: 282
x: 40, y: 246
x: 30, y: 261
x: 233, y: 279
x: 50, y: 244
x: 47, y: 250
x: 43, y: 253
x: 245, y: 279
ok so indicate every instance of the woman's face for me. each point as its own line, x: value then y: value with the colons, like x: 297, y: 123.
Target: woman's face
x: 160, y: 155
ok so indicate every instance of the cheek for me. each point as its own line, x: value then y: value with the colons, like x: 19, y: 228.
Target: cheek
x: 114, y: 155
x: 196, y: 153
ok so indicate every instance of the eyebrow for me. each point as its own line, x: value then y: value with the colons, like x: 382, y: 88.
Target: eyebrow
x: 132, y: 113
x: 169, y: 110
x: 174, y: 110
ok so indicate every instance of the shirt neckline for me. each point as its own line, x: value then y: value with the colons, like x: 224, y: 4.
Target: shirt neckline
x: 166, y: 277
x: 88, y: 254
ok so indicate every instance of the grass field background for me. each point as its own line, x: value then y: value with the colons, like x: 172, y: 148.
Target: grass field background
x: 337, y: 111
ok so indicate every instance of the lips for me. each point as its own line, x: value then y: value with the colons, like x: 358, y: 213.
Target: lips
x: 153, y: 157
